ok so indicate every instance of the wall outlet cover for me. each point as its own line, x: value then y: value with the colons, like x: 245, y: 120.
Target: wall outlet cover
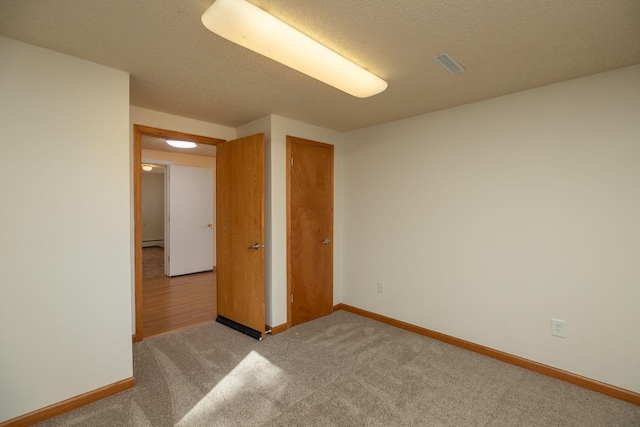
x: 558, y: 328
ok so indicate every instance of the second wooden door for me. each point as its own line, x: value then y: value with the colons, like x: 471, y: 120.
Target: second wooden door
x: 309, y: 229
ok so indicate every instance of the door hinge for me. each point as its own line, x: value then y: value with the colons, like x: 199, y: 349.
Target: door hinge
x: 292, y: 162
x: 291, y: 298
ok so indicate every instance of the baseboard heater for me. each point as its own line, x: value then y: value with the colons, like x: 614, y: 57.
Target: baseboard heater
x: 240, y: 328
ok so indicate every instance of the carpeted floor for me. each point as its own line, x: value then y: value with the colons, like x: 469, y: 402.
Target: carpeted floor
x: 341, y: 370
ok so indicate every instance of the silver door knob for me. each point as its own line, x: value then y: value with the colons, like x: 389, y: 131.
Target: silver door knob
x: 256, y: 246
x: 326, y: 241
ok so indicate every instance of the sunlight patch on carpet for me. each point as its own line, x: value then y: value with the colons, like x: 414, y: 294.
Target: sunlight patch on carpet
x: 255, y: 378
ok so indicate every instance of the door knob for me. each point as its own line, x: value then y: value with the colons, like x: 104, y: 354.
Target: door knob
x: 326, y: 241
x: 256, y: 246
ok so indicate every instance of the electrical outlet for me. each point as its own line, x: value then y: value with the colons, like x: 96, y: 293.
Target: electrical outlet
x: 558, y: 328
x: 380, y: 287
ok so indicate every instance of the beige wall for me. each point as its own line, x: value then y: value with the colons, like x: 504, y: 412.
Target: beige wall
x: 486, y: 221
x: 65, y: 263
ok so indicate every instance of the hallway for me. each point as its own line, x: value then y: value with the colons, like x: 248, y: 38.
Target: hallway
x: 171, y: 303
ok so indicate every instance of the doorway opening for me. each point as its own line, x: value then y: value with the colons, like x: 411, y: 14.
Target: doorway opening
x: 156, y: 283
x: 154, y: 218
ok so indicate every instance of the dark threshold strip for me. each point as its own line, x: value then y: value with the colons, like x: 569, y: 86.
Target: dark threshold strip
x: 240, y: 328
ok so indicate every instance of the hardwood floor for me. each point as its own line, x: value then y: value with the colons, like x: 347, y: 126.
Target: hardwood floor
x: 171, y: 303
x: 152, y: 261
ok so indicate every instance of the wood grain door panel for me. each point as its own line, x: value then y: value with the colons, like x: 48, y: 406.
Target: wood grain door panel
x: 240, y: 225
x: 310, y: 229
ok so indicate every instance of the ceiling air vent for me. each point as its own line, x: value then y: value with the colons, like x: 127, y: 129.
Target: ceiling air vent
x: 449, y: 63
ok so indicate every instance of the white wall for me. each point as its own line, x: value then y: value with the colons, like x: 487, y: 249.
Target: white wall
x: 276, y: 129
x: 156, y: 119
x: 152, y: 208
x: 487, y: 220
x: 65, y: 319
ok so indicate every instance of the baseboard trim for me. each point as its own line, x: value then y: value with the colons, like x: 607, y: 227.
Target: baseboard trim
x: 275, y: 330
x: 68, y: 405
x: 136, y: 337
x: 584, y: 382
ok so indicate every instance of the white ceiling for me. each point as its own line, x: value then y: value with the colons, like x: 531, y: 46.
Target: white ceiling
x: 179, y: 67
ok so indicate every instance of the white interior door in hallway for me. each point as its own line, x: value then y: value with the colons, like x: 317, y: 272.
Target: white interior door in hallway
x: 191, y: 220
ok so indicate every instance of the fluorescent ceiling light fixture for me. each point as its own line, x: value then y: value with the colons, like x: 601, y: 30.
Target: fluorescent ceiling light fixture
x: 147, y: 168
x: 181, y: 144
x: 253, y: 28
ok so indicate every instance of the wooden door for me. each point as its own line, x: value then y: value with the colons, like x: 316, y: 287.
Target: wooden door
x: 240, y: 234
x: 309, y: 229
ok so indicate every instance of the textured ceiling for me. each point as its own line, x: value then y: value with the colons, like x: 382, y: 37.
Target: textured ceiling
x: 179, y: 67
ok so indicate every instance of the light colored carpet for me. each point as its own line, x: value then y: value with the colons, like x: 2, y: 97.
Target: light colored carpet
x: 341, y: 370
